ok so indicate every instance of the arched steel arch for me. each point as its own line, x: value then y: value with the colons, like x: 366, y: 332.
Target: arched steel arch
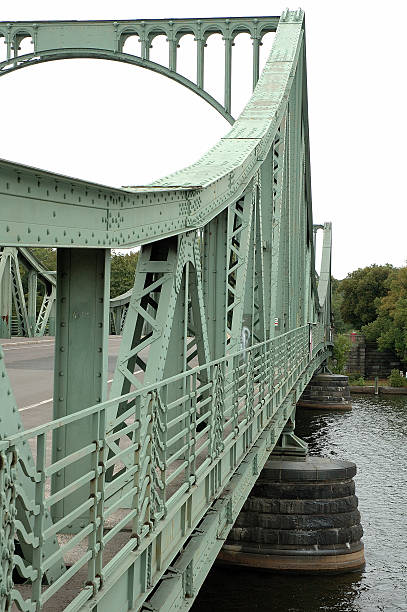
x: 105, y: 40
x: 62, y: 54
x: 226, y: 323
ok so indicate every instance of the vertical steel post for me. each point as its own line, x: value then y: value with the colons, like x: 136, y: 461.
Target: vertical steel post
x: 200, y: 62
x: 52, y: 317
x: 145, y: 47
x: 214, y: 269
x: 32, y: 299
x: 81, y: 352
x: 5, y: 295
x: 266, y: 202
x: 256, y: 60
x: 248, y: 295
x: 228, y: 73
x: 172, y: 53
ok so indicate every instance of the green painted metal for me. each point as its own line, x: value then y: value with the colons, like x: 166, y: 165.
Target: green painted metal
x: 106, y: 39
x: 21, y: 310
x: 80, y: 371
x: 223, y: 329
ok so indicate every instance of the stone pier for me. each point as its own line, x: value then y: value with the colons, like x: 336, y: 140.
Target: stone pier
x: 327, y: 392
x: 301, y: 517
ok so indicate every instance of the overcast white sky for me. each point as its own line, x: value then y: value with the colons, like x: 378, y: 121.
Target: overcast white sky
x: 122, y: 125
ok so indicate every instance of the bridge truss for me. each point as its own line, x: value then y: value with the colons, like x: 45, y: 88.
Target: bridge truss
x: 124, y: 502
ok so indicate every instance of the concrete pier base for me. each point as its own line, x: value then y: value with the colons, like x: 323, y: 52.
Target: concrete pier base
x: 327, y: 392
x: 300, y: 517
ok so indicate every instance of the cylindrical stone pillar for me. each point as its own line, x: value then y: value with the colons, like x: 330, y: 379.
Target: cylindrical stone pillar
x: 327, y: 392
x: 302, y: 517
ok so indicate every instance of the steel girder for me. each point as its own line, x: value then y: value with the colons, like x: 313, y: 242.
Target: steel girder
x: 224, y: 327
x: 66, y: 212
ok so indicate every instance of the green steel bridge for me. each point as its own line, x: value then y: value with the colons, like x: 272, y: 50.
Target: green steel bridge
x: 123, y: 502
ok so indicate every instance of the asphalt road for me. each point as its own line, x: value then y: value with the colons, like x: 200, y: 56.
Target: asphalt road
x: 30, y: 368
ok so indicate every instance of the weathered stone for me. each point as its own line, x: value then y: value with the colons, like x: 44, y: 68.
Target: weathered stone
x: 326, y: 391
x: 316, y: 490
x: 298, y: 510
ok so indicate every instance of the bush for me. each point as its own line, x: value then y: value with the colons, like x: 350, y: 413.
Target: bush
x: 340, y: 353
x: 396, y: 379
x: 357, y: 380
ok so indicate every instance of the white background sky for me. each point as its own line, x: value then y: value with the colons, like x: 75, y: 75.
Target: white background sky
x: 122, y: 125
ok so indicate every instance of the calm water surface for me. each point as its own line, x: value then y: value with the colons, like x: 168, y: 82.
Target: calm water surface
x: 373, y: 435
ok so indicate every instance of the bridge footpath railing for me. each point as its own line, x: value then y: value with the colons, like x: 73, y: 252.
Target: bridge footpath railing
x: 169, y: 463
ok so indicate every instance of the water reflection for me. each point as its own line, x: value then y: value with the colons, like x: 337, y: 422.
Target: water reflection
x: 374, y: 436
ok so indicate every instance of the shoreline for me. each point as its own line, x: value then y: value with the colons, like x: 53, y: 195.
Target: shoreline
x: 382, y: 390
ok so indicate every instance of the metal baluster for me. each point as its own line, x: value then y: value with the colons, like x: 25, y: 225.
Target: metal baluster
x: 228, y: 73
x: 200, y: 61
x: 192, y: 430
x: 256, y: 60
x: 39, y: 518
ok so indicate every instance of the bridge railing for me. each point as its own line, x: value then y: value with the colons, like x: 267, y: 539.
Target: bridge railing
x: 136, y: 471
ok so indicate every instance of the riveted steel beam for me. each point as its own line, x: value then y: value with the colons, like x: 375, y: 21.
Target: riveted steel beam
x: 67, y: 212
x: 80, y: 370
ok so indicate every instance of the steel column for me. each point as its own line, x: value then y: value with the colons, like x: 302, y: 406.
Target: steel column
x: 5, y: 295
x: 81, y: 351
x: 32, y: 299
x: 215, y: 265
x: 256, y: 60
x: 228, y: 73
x: 200, y: 61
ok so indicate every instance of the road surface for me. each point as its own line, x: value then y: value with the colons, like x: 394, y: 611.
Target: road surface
x: 30, y: 368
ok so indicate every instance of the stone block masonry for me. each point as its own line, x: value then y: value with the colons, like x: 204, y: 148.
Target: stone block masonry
x: 301, y: 516
x: 327, y: 392
x: 366, y: 360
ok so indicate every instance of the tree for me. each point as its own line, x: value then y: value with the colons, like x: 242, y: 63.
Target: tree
x: 359, y: 291
x: 122, y: 272
x: 340, y: 353
x: 47, y: 256
x: 123, y: 268
x: 389, y: 329
x: 340, y: 326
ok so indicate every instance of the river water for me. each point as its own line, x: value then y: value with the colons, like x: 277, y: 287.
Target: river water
x: 373, y: 435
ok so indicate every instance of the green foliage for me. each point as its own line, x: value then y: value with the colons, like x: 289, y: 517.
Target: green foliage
x: 122, y: 270
x: 389, y: 329
x: 339, y: 324
x: 357, y: 380
x: 396, y: 379
x: 47, y: 256
x: 122, y: 273
x: 340, y: 355
x: 360, y: 291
